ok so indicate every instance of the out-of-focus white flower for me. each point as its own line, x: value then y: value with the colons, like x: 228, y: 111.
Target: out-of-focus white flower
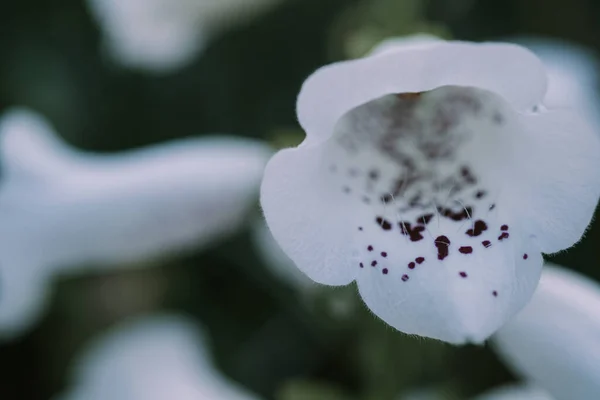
x: 164, y: 35
x: 507, y: 392
x: 572, y: 75
x: 276, y: 259
x: 429, y: 176
x: 153, y: 358
x: 514, y: 392
x: 61, y: 208
x: 555, y: 341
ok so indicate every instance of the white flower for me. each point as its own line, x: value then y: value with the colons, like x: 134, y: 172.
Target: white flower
x: 153, y: 358
x: 61, y: 209
x: 555, y: 341
x: 164, y: 35
x: 572, y: 75
x: 433, y: 176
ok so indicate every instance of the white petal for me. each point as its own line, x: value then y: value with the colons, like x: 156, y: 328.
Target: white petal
x: 514, y: 392
x: 560, y: 184
x: 508, y: 70
x: 404, y: 43
x: 454, y: 179
x: 555, y: 340
x: 156, y: 358
x: 62, y: 209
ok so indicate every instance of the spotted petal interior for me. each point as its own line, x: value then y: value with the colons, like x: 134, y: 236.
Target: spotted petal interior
x: 427, y: 179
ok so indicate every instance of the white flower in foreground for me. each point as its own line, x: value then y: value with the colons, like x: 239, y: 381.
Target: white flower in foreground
x: 62, y: 209
x: 155, y: 358
x: 572, y: 75
x: 164, y: 35
x: 428, y: 179
x: 555, y: 341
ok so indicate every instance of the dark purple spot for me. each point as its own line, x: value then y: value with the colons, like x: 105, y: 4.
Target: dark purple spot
x: 442, y: 243
x: 465, y: 172
x: 492, y: 207
x: 361, y: 265
x: 374, y: 263
x: 383, y: 254
x: 478, y: 227
x: 495, y: 293
x: 504, y: 228
x: 503, y: 236
x: 404, y: 278
x: 384, y: 224
x: 486, y: 243
x: 370, y: 248
x: 384, y: 271
x: 374, y: 174
x: 413, y: 233
x: 466, y: 249
x: 360, y: 228
x: 480, y: 194
x: 411, y: 265
x: 465, y: 213
x: 420, y: 260
x: 463, y: 274
x: 525, y: 256
x: 425, y: 219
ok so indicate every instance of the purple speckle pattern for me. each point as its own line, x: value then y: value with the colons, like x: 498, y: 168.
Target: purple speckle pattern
x: 415, y: 188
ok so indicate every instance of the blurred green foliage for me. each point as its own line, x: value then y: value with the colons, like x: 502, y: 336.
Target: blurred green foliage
x: 266, y: 335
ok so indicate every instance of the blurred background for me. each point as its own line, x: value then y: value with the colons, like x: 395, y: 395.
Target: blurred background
x: 243, y: 79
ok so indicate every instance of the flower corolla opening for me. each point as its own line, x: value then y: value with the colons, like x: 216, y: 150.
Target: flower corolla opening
x: 429, y: 175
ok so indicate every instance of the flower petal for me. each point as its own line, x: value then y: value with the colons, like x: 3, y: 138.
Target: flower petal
x: 554, y: 341
x: 405, y: 43
x: 301, y: 225
x: 152, y: 358
x: 561, y: 179
x: 508, y: 70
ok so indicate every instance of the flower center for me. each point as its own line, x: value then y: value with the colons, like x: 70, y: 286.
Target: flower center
x: 429, y: 166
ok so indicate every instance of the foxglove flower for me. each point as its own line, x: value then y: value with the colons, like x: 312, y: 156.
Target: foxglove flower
x: 433, y: 176
x: 555, y: 341
x: 164, y: 35
x: 154, y: 358
x: 62, y: 209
